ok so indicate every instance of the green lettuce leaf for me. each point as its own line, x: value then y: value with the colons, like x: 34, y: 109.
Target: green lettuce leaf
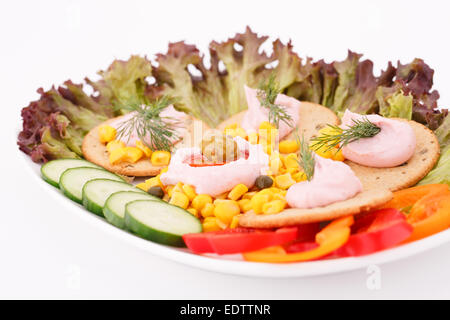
x: 396, y: 105
x: 441, y: 173
x: 125, y: 81
x: 346, y: 80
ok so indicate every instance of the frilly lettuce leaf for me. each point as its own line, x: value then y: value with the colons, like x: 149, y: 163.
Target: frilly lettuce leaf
x: 395, y: 105
x: 127, y: 80
x: 441, y: 173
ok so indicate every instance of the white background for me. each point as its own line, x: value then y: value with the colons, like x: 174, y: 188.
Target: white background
x: 44, y: 250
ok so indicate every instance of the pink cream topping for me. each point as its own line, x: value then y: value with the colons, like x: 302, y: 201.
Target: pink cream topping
x: 215, y: 180
x: 174, y: 117
x: 257, y: 113
x: 332, y: 181
x: 392, y: 146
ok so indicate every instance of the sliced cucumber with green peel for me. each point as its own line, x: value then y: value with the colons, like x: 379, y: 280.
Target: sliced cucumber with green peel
x: 114, y: 208
x: 72, y: 181
x: 52, y: 170
x: 97, y: 191
x: 160, y: 222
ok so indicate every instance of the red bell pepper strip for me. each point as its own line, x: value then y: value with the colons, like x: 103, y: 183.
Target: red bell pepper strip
x: 378, y: 230
x: 330, y: 238
x: 238, y: 240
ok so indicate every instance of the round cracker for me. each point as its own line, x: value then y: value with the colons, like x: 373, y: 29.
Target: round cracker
x: 363, y: 201
x: 313, y: 117
x: 408, y: 174
x: 95, y: 151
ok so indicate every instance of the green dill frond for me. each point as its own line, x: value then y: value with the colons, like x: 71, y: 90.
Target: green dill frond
x: 149, y: 125
x: 267, y: 94
x: 306, y: 156
x: 341, y: 137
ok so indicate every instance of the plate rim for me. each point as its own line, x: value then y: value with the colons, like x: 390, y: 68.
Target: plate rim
x: 240, y: 267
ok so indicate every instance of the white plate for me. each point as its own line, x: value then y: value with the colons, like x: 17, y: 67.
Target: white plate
x: 233, y: 264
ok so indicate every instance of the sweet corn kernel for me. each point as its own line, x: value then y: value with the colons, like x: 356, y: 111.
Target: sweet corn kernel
x: 284, y: 181
x: 133, y: 154
x: 245, y: 205
x: 268, y: 192
x: 288, y: 146
x: 154, y: 182
x: 231, y: 126
x: 193, y: 211
x: 117, y: 155
x: 208, y: 210
x: 291, y: 161
x: 252, y: 138
x: 216, y: 201
x: 169, y: 190
x: 275, y: 190
x: 267, y: 132
x: 179, y: 199
x: 142, y: 186
x: 114, y: 144
x: 291, y: 171
x: 226, y: 210
x: 165, y: 169
x: 338, y: 156
x: 240, y: 132
x: 322, y: 151
x: 160, y: 158
x: 237, y: 192
x: 275, y: 163
x: 147, y: 151
x: 221, y: 224
x: 210, y: 225
x: 235, y: 221
x: 106, y: 133
x: 200, y: 201
x: 266, y: 125
x: 249, y: 195
x: 258, y: 201
x: 274, y: 206
x: 329, y: 131
x: 230, y: 132
x: 299, y: 176
x: 279, y: 196
x: 222, y: 195
x: 176, y: 188
x: 189, y: 191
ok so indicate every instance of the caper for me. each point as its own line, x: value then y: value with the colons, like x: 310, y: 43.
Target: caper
x: 263, y: 182
x: 156, y: 192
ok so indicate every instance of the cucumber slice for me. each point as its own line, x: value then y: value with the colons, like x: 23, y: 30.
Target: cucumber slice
x: 95, y: 193
x: 160, y: 222
x: 114, y: 208
x: 72, y: 180
x: 52, y: 170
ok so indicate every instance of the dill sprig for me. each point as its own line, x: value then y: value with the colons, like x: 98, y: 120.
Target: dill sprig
x: 267, y: 93
x: 306, y: 156
x: 149, y: 125
x: 341, y: 137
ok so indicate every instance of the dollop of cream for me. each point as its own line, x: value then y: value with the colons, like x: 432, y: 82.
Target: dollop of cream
x: 392, y: 146
x: 257, y: 114
x: 215, y: 180
x: 175, y: 118
x: 332, y: 181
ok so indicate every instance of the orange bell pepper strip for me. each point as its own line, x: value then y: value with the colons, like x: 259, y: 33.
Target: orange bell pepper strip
x: 330, y: 238
x: 429, y: 215
x: 406, y: 198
